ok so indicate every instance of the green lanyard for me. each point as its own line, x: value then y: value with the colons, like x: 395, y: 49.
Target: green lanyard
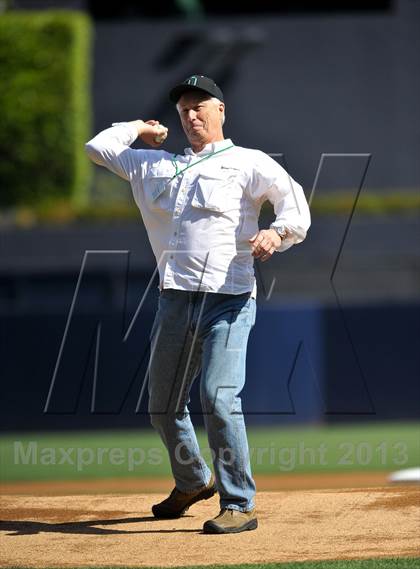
x: 178, y: 172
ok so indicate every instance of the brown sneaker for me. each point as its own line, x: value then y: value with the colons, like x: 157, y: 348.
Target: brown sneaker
x: 231, y: 521
x: 178, y: 502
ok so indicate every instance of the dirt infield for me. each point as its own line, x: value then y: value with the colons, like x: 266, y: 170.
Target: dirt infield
x: 295, y: 481
x: 117, y: 529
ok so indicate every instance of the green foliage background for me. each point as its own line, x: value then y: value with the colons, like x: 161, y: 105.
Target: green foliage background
x: 45, y: 106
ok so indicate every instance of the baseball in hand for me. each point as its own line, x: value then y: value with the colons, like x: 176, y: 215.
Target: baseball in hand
x: 163, y: 133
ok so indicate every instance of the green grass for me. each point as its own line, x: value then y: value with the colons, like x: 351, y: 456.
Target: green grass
x: 369, y: 203
x: 394, y: 563
x: 347, y: 448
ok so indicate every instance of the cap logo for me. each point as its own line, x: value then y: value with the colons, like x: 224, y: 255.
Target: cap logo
x: 192, y: 81
x: 195, y: 82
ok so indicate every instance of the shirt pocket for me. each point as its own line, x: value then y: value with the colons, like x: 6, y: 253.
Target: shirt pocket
x: 158, y: 188
x: 219, y: 191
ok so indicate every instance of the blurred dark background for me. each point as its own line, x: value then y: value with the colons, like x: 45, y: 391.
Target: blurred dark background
x: 333, y: 94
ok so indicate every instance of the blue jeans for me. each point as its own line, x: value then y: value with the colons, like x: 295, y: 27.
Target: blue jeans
x: 207, y: 332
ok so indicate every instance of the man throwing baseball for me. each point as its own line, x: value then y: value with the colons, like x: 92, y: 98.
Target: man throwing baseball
x: 201, y: 213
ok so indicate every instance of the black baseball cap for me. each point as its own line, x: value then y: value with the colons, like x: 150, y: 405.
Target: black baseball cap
x: 196, y: 83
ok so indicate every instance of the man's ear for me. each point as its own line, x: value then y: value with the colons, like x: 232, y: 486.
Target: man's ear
x: 221, y: 107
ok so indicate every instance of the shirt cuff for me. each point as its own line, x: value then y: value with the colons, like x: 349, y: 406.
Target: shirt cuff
x: 129, y: 132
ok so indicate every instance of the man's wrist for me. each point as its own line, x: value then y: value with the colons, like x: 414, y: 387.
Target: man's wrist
x: 139, y: 125
x: 281, y: 230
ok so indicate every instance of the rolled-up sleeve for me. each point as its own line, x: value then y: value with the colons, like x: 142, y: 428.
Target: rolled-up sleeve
x: 111, y: 148
x: 271, y: 182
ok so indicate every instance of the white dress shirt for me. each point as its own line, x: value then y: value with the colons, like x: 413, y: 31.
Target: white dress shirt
x: 200, y: 209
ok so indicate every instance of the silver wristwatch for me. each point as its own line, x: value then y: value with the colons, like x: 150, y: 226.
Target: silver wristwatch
x: 281, y: 230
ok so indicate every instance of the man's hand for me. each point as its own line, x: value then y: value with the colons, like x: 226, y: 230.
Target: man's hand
x: 151, y: 132
x: 264, y: 243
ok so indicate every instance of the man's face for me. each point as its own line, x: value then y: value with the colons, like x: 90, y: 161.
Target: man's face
x: 201, y: 116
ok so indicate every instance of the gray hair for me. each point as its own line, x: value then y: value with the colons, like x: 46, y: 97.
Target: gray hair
x: 217, y: 102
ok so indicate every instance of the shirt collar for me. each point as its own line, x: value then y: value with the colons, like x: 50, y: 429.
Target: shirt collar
x: 210, y: 147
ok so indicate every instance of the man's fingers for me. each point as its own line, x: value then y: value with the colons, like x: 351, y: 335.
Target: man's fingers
x: 259, y: 252
x: 257, y: 240
x: 268, y: 254
x: 261, y: 246
x: 261, y: 243
x: 258, y: 237
x: 161, y: 135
